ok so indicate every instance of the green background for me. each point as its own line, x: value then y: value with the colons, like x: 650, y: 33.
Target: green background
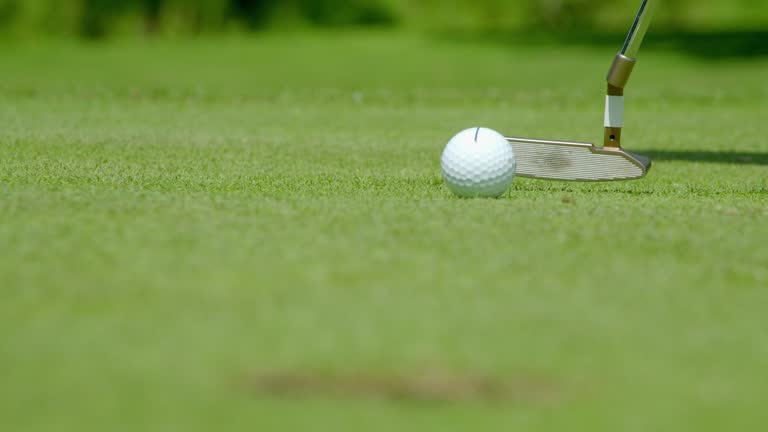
x: 98, y: 18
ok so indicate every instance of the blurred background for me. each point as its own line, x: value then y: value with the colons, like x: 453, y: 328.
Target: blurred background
x: 107, y: 18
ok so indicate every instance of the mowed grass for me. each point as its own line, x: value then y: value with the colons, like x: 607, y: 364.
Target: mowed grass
x: 178, y: 218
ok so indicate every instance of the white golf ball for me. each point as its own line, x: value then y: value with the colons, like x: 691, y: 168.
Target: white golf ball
x: 478, y: 162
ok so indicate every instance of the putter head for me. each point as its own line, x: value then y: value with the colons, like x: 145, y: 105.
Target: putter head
x: 575, y: 161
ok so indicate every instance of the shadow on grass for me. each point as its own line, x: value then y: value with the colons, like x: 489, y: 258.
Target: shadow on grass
x: 739, y: 158
x: 705, y: 44
x: 427, y: 386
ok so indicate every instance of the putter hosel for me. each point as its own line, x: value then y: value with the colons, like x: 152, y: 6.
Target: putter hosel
x: 618, y: 77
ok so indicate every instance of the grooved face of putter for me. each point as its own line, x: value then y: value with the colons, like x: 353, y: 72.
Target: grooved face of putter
x: 575, y: 161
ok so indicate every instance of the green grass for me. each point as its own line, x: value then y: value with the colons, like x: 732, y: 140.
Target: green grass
x: 177, y: 216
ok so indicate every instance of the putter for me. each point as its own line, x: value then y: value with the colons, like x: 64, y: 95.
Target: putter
x: 576, y: 161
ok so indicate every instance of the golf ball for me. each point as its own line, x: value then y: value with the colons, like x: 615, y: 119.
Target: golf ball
x: 478, y: 162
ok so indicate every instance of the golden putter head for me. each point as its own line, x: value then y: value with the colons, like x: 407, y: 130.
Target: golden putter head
x: 575, y: 161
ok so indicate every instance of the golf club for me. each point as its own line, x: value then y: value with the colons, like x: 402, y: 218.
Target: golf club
x: 576, y: 161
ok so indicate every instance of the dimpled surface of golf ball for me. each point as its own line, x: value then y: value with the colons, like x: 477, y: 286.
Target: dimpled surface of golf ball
x: 478, y: 162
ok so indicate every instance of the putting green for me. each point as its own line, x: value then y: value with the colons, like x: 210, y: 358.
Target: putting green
x: 180, y: 219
